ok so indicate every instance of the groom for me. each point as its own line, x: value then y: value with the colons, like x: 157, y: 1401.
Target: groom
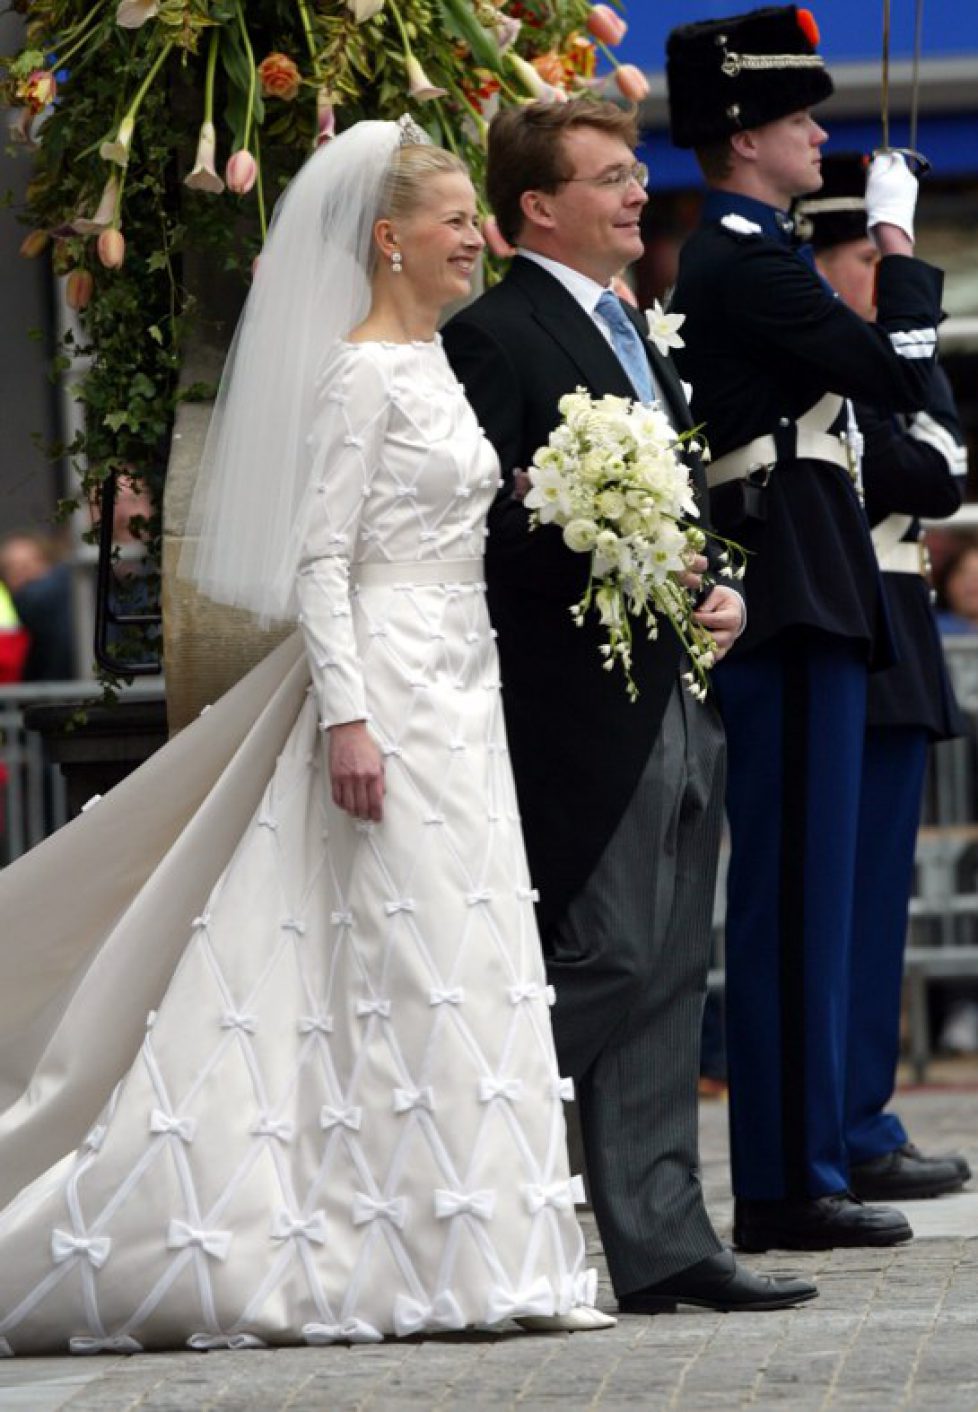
x: 621, y: 803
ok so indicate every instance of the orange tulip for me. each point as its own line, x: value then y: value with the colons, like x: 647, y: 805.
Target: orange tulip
x: 111, y: 247
x: 605, y: 25
x: 632, y: 83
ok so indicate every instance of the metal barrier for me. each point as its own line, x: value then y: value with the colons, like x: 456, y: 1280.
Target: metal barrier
x: 32, y: 792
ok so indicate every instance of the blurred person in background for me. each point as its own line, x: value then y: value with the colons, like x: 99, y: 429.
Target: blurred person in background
x: 39, y: 583
x: 956, y: 587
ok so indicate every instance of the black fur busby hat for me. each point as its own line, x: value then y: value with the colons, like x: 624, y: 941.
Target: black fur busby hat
x: 742, y: 72
x: 837, y: 213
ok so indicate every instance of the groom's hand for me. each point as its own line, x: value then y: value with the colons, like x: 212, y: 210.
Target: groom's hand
x: 722, y: 614
x: 693, y: 577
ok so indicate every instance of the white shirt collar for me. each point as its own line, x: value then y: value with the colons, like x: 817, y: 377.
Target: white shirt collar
x: 585, y: 290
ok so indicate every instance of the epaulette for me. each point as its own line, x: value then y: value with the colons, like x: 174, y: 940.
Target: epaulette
x: 740, y: 225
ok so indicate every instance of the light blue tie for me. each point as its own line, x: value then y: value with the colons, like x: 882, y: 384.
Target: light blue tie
x: 628, y: 344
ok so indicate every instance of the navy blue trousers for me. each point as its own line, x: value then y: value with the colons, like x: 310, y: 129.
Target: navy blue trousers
x: 894, y: 760
x: 795, y: 716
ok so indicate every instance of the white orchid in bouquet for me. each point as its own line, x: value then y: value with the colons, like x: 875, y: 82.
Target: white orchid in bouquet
x: 612, y: 478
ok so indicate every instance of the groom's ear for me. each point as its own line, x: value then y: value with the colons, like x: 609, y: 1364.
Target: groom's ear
x: 537, y: 208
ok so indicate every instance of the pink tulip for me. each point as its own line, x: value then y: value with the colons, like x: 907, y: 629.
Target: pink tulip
x: 78, y: 290
x: 241, y: 172
x: 632, y: 83
x: 111, y: 247
x: 497, y: 242
x: 605, y: 25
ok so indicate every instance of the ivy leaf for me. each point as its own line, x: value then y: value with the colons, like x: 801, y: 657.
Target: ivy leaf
x: 157, y: 261
x: 115, y: 421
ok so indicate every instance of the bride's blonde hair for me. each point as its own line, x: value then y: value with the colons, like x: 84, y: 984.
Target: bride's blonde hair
x: 410, y: 170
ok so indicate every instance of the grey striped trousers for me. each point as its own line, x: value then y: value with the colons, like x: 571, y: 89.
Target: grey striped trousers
x: 629, y: 960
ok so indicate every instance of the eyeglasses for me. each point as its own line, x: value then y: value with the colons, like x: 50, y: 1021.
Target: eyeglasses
x: 618, y: 178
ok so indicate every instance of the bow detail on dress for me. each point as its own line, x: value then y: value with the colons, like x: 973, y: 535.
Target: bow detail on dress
x: 285, y: 1226
x: 316, y: 1024
x: 402, y: 904
x: 564, y: 1088
x: 512, y: 1089
x: 234, y: 1020
x: 374, y: 1007
x: 183, y: 1128
x: 369, y: 1208
x: 407, y: 1098
x: 524, y: 990
x: 455, y: 995
x: 112, y: 1343
x: 331, y: 1117
x: 206, y: 1343
x: 482, y: 894
x: 465, y: 1203
x: 269, y: 1126
x: 537, y: 1298
x: 560, y: 1195
x: 412, y: 1315
x: 180, y: 1235
x: 65, y: 1244
x: 347, y: 1331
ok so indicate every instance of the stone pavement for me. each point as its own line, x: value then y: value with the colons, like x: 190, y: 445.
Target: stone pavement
x: 891, y: 1330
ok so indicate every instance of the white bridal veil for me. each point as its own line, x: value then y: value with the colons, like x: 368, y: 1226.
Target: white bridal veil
x: 310, y: 289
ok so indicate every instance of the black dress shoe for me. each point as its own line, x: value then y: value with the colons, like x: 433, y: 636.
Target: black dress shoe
x: 905, y: 1174
x: 821, y: 1223
x: 717, y: 1282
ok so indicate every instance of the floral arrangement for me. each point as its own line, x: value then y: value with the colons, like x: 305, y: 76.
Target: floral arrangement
x: 164, y: 127
x: 612, y: 479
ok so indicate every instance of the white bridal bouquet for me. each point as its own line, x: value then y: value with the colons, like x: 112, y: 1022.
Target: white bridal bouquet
x: 612, y: 478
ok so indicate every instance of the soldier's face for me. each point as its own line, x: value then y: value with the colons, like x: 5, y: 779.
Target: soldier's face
x: 788, y: 154
x: 850, y: 269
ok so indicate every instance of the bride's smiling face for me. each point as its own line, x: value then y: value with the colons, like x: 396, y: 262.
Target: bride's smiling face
x: 439, y: 240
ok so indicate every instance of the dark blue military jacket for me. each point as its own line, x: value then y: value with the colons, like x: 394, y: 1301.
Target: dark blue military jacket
x: 765, y: 340
x: 913, y: 466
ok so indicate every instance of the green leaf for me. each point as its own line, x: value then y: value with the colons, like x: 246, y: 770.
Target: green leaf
x: 115, y: 421
x: 155, y: 333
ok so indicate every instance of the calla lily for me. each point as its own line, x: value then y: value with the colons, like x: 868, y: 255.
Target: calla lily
x: 78, y: 290
x: 133, y: 14
x: 325, y: 117
x: 105, y: 212
x: 363, y: 10
x: 20, y: 128
x: 111, y: 247
x: 632, y: 83
x: 241, y: 172
x: 531, y: 80
x: 117, y: 148
x: 420, y: 86
x: 506, y: 30
x: 204, y: 176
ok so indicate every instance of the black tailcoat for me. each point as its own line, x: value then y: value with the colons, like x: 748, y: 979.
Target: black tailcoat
x: 578, y: 745
x: 766, y: 339
x: 905, y: 474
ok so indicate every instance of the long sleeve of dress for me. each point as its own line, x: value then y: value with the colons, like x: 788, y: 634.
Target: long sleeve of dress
x: 346, y: 444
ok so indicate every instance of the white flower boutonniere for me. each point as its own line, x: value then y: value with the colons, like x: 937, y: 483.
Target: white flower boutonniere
x: 663, y: 328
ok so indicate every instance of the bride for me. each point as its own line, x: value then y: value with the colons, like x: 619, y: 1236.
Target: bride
x: 275, y: 1054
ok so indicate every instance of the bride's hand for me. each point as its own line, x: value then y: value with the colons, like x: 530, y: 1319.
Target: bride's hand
x: 356, y: 771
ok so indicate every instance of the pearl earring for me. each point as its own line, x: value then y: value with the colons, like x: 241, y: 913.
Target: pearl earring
x: 397, y: 262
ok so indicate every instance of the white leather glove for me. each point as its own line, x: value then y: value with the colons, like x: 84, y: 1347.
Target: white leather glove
x: 891, y: 192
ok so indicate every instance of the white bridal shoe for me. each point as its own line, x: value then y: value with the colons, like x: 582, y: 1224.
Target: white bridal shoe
x: 581, y: 1319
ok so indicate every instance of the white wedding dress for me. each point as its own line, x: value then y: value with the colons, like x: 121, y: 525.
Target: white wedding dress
x: 271, y: 1075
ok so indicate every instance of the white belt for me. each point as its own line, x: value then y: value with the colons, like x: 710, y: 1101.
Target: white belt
x: 813, y: 444
x: 376, y: 572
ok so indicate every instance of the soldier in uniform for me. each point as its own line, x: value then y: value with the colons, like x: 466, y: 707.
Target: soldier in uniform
x: 910, y: 466
x: 773, y: 357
